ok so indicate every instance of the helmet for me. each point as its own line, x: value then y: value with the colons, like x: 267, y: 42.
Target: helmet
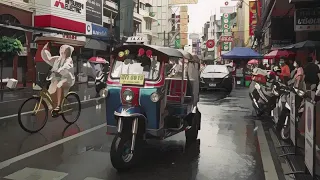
x: 276, y: 69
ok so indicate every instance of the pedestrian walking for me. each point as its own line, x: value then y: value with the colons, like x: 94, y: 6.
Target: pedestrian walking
x: 312, y: 74
x: 285, y: 70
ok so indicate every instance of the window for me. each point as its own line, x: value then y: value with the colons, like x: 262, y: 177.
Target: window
x: 150, y: 68
x: 148, y: 25
x: 142, y: 6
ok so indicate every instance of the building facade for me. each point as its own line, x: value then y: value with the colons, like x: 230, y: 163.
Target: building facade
x: 18, y: 12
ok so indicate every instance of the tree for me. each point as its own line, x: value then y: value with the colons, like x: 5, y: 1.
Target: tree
x: 9, y: 48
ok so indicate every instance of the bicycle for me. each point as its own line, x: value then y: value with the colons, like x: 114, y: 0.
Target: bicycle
x: 43, y: 99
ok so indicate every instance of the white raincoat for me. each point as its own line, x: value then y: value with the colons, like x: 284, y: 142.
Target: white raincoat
x: 62, y: 69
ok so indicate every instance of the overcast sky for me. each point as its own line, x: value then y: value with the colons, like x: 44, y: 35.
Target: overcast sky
x: 201, y: 12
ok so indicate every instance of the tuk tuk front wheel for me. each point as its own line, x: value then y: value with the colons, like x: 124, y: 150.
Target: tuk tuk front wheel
x: 121, y: 157
x: 192, y: 133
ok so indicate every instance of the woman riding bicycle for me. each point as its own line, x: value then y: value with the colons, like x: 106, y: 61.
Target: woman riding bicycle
x: 62, y: 72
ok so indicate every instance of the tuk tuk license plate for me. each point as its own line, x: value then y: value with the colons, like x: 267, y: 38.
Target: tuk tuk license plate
x: 132, y: 79
x: 212, y: 85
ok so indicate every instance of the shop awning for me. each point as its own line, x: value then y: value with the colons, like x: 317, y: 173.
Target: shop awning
x: 95, y: 44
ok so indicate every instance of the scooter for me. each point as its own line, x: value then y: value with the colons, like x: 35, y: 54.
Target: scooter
x: 283, y: 121
x: 263, y: 95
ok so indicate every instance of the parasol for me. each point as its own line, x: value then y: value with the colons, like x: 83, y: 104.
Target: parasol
x: 278, y: 54
x: 98, y: 60
x: 253, y: 61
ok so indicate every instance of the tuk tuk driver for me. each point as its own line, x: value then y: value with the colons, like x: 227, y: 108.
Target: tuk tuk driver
x: 176, y: 68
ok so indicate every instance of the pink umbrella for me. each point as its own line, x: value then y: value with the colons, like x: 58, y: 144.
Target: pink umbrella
x: 279, y: 54
x: 253, y: 61
x: 98, y: 60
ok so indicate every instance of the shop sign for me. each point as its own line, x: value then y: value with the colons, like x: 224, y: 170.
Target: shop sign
x: 252, y: 17
x: 72, y: 37
x: 225, y: 21
x: 70, y: 5
x: 137, y: 39
x: 226, y: 39
x: 94, y: 11
x: 65, y: 36
x: 307, y: 19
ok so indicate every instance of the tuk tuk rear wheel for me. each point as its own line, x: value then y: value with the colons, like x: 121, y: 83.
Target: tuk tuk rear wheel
x: 121, y: 157
x: 192, y: 133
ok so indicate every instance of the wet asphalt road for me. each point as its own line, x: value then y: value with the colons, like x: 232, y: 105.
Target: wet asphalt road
x: 226, y: 150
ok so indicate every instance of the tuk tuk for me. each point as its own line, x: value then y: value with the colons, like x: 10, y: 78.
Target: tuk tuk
x: 152, y: 93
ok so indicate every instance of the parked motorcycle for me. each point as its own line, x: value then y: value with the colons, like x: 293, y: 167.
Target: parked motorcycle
x: 282, y: 119
x: 262, y: 94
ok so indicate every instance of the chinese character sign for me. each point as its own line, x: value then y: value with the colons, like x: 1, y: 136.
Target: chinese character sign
x: 226, y: 29
x: 252, y: 17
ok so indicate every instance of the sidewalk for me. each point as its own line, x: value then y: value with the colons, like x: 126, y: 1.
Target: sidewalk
x: 12, y: 100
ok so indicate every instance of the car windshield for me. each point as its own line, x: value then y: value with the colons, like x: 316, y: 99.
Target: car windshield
x: 215, y: 69
x: 149, y: 67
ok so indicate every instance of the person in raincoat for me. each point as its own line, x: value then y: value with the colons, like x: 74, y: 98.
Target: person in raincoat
x: 62, y: 72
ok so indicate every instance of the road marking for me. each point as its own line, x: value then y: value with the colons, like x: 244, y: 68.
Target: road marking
x: 269, y: 168
x: 29, y: 112
x: 91, y: 178
x: 33, y: 173
x: 13, y: 100
x: 48, y: 146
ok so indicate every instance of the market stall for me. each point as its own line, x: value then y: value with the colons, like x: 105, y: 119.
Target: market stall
x: 240, y: 57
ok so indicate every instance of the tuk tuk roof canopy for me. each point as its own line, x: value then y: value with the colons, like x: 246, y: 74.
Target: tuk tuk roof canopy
x: 186, y: 54
x: 155, y: 49
x: 242, y: 53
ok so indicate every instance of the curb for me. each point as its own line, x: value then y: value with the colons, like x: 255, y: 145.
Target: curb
x: 269, y: 168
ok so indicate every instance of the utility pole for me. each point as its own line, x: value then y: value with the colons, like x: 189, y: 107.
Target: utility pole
x: 164, y: 38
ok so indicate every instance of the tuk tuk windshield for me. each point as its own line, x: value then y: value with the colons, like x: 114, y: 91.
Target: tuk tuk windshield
x: 149, y: 67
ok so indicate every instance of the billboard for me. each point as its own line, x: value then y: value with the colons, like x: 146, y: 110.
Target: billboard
x: 252, y: 17
x: 180, y: 2
x: 94, y: 11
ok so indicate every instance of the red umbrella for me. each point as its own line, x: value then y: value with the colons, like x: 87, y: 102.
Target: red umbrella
x: 98, y: 60
x: 279, y: 54
x: 253, y: 61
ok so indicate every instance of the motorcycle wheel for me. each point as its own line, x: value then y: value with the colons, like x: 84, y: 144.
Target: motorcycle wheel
x: 120, y: 155
x: 285, y: 131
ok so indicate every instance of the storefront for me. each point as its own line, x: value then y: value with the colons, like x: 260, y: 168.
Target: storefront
x: 63, y: 16
x: 22, y: 66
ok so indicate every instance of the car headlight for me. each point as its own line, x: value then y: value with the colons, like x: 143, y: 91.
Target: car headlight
x: 155, y: 97
x: 127, y: 95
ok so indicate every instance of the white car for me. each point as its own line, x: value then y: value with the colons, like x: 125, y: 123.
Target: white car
x: 216, y: 77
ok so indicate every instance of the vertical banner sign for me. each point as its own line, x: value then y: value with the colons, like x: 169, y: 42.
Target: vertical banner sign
x: 226, y: 29
x: 252, y: 17
x: 293, y: 117
x: 183, y: 26
x: 309, y: 136
x: 94, y: 11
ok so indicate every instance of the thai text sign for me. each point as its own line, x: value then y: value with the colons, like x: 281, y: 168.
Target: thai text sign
x: 252, y: 17
x: 307, y: 19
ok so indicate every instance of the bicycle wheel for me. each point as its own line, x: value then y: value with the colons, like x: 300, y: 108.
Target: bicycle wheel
x: 30, y: 114
x: 71, y: 108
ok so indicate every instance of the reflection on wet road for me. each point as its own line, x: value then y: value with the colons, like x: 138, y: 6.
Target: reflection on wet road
x: 226, y: 149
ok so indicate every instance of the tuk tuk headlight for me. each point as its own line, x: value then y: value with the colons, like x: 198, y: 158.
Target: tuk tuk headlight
x: 155, y: 97
x: 127, y: 95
